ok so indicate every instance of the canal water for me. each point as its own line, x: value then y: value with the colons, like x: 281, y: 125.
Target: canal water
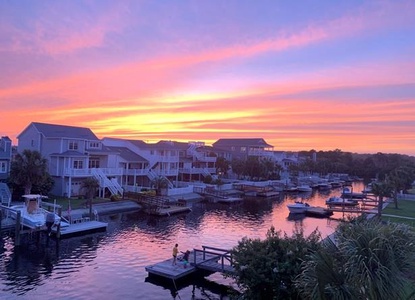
x: 111, y: 264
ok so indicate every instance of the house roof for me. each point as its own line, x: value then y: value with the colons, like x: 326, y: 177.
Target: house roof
x: 69, y: 153
x: 253, y: 142
x: 167, y: 145
x: 127, y: 154
x: 64, y: 131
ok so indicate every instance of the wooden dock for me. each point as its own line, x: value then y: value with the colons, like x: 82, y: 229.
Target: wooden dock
x: 209, y: 259
x: 169, y: 210
x: 80, y: 228
x: 318, y: 212
x: 268, y: 194
x: 161, y: 205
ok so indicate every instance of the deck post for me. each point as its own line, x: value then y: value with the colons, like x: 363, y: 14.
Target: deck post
x: 58, y: 231
x: 17, y: 229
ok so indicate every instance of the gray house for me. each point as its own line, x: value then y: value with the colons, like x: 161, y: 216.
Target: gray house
x: 243, y: 148
x: 73, y: 154
x: 5, y: 157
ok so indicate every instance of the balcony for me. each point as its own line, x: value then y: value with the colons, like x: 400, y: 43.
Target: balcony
x: 71, y: 172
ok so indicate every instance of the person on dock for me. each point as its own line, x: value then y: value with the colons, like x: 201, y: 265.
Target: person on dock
x: 175, y: 251
x: 185, y: 258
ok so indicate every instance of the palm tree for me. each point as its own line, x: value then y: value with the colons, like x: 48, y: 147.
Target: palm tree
x: 29, y: 168
x: 159, y: 183
x: 90, y: 186
x: 381, y: 190
x: 371, y: 261
x: 400, y: 179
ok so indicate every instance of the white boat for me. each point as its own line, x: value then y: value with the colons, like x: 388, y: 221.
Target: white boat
x: 324, y: 186
x: 31, y: 212
x: 304, y: 188
x: 298, y: 207
x: 338, y: 201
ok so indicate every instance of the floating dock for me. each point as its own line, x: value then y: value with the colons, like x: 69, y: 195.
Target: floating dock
x: 168, y: 210
x: 80, y: 228
x: 318, y: 212
x: 209, y: 259
x: 268, y: 194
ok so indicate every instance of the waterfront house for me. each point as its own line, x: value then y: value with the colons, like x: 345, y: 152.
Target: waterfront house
x: 5, y: 157
x: 174, y: 161
x: 197, y: 162
x: 244, y: 148
x: 73, y: 154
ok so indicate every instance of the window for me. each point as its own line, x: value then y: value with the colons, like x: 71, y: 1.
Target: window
x: 94, y: 145
x: 73, y: 145
x: 233, y: 148
x: 78, y: 164
x: 243, y: 149
x: 3, y: 167
x: 32, y: 143
x: 94, y: 163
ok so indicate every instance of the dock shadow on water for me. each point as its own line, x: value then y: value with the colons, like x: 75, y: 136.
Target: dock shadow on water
x: 200, y: 286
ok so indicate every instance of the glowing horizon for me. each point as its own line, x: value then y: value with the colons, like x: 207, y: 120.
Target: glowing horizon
x: 320, y: 76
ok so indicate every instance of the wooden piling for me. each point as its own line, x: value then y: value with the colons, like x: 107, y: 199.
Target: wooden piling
x: 17, y: 228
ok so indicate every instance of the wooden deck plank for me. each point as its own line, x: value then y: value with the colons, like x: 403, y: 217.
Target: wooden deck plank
x: 169, y: 210
x: 81, y: 227
x: 166, y: 270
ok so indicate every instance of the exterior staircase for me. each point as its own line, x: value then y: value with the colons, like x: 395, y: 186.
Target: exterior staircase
x: 153, y: 175
x: 104, y: 182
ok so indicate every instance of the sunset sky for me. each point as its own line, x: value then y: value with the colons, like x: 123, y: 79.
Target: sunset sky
x: 303, y: 75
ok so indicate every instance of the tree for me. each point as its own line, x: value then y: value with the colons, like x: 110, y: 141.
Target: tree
x: 159, y: 184
x: 265, y: 269
x: 238, y: 167
x: 253, y: 168
x: 29, y: 168
x: 222, y: 166
x: 381, y: 190
x: 370, y: 260
x: 90, y: 186
x: 400, y: 179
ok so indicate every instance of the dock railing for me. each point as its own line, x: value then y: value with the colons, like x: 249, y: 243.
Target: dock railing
x: 214, y: 259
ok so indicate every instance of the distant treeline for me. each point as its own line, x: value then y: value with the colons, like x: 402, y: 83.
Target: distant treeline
x: 367, y: 166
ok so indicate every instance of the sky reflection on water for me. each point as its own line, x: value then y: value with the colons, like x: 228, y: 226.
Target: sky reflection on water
x: 111, y: 265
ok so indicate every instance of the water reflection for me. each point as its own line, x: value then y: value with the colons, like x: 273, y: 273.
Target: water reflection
x: 111, y: 265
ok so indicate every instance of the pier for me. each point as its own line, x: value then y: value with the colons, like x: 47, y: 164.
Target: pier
x: 162, y: 206
x: 207, y: 259
x: 11, y: 221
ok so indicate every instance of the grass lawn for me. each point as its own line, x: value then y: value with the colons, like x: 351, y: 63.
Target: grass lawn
x: 406, y: 208
x: 75, y: 202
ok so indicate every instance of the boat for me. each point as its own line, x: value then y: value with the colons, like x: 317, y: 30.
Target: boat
x: 349, y: 194
x: 290, y: 188
x: 298, y: 207
x: 338, y: 201
x: 31, y: 212
x: 304, y: 188
x: 324, y: 186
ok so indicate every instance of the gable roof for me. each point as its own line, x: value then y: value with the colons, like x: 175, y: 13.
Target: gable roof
x: 253, y: 142
x: 64, y: 131
x: 127, y: 154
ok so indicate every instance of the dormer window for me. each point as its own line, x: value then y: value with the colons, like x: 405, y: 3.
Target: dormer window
x: 73, y: 145
x: 94, y: 145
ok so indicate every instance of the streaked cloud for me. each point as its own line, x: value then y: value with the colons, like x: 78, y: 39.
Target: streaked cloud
x: 132, y: 70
